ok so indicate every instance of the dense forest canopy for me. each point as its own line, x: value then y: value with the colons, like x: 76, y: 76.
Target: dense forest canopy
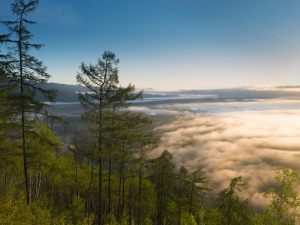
x: 103, y: 174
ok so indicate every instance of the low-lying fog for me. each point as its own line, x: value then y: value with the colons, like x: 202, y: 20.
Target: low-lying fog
x: 230, y: 139
x: 251, y: 138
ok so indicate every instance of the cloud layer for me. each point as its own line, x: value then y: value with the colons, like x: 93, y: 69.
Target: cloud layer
x: 227, y: 140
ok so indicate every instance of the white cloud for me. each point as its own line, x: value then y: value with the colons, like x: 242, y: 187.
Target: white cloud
x: 253, y: 142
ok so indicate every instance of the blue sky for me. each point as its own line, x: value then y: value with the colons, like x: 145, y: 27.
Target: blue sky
x: 171, y: 44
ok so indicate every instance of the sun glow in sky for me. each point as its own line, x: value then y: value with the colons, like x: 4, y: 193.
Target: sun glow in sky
x: 171, y: 44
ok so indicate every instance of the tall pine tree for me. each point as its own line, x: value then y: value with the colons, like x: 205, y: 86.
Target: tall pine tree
x: 100, y: 105
x: 25, y: 70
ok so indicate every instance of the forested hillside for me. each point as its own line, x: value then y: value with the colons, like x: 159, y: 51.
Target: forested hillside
x: 103, y: 176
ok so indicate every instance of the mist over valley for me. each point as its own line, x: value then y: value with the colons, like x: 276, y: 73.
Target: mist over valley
x: 228, y: 133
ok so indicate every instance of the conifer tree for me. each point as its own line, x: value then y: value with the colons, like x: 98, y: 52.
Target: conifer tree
x: 163, y: 176
x: 196, y: 190
x: 233, y: 210
x: 8, y: 123
x: 8, y: 109
x: 128, y: 138
x: 100, y: 105
x: 147, y: 144
x: 122, y: 128
x: 25, y: 70
x: 181, y: 190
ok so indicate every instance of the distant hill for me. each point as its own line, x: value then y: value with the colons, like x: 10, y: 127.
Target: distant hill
x: 245, y: 92
x: 69, y: 93
x: 65, y: 92
x: 66, y: 87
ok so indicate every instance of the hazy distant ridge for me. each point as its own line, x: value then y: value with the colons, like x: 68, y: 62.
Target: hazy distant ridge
x: 68, y: 92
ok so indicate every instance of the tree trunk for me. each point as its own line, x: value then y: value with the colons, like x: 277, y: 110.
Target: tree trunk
x: 100, y: 165
x: 76, y: 163
x: 5, y: 179
x: 100, y: 192
x: 109, y: 185
x: 192, y: 192
x: 110, y: 170
x: 119, y: 200
x: 30, y: 184
x: 140, y: 190
x: 23, y: 115
x: 36, y: 180
x: 203, y: 199
x: 91, y: 184
x: 229, y: 207
x: 179, y: 204
x: 92, y: 172
x: 161, y: 199
x: 123, y: 180
x: 39, y: 183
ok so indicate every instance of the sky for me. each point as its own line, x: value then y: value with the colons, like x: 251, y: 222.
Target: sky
x: 171, y: 44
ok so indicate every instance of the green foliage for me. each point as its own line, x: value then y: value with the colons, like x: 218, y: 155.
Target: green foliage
x: 210, y: 216
x: 190, y: 221
x: 147, y: 221
x: 9, y: 128
x: 262, y: 219
x: 284, y: 203
x: 181, y: 191
x: 163, y: 176
x: 196, y: 188
x: 76, y: 211
x: 110, y: 220
x: 117, y: 134
x: 24, y: 70
x: 233, y: 210
x: 14, y: 210
x: 124, y: 218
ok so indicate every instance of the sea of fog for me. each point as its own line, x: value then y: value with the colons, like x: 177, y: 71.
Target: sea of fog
x: 250, y: 138
x: 229, y: 139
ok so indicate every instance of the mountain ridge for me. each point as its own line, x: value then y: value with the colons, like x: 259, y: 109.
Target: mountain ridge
x: 69, y: 92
